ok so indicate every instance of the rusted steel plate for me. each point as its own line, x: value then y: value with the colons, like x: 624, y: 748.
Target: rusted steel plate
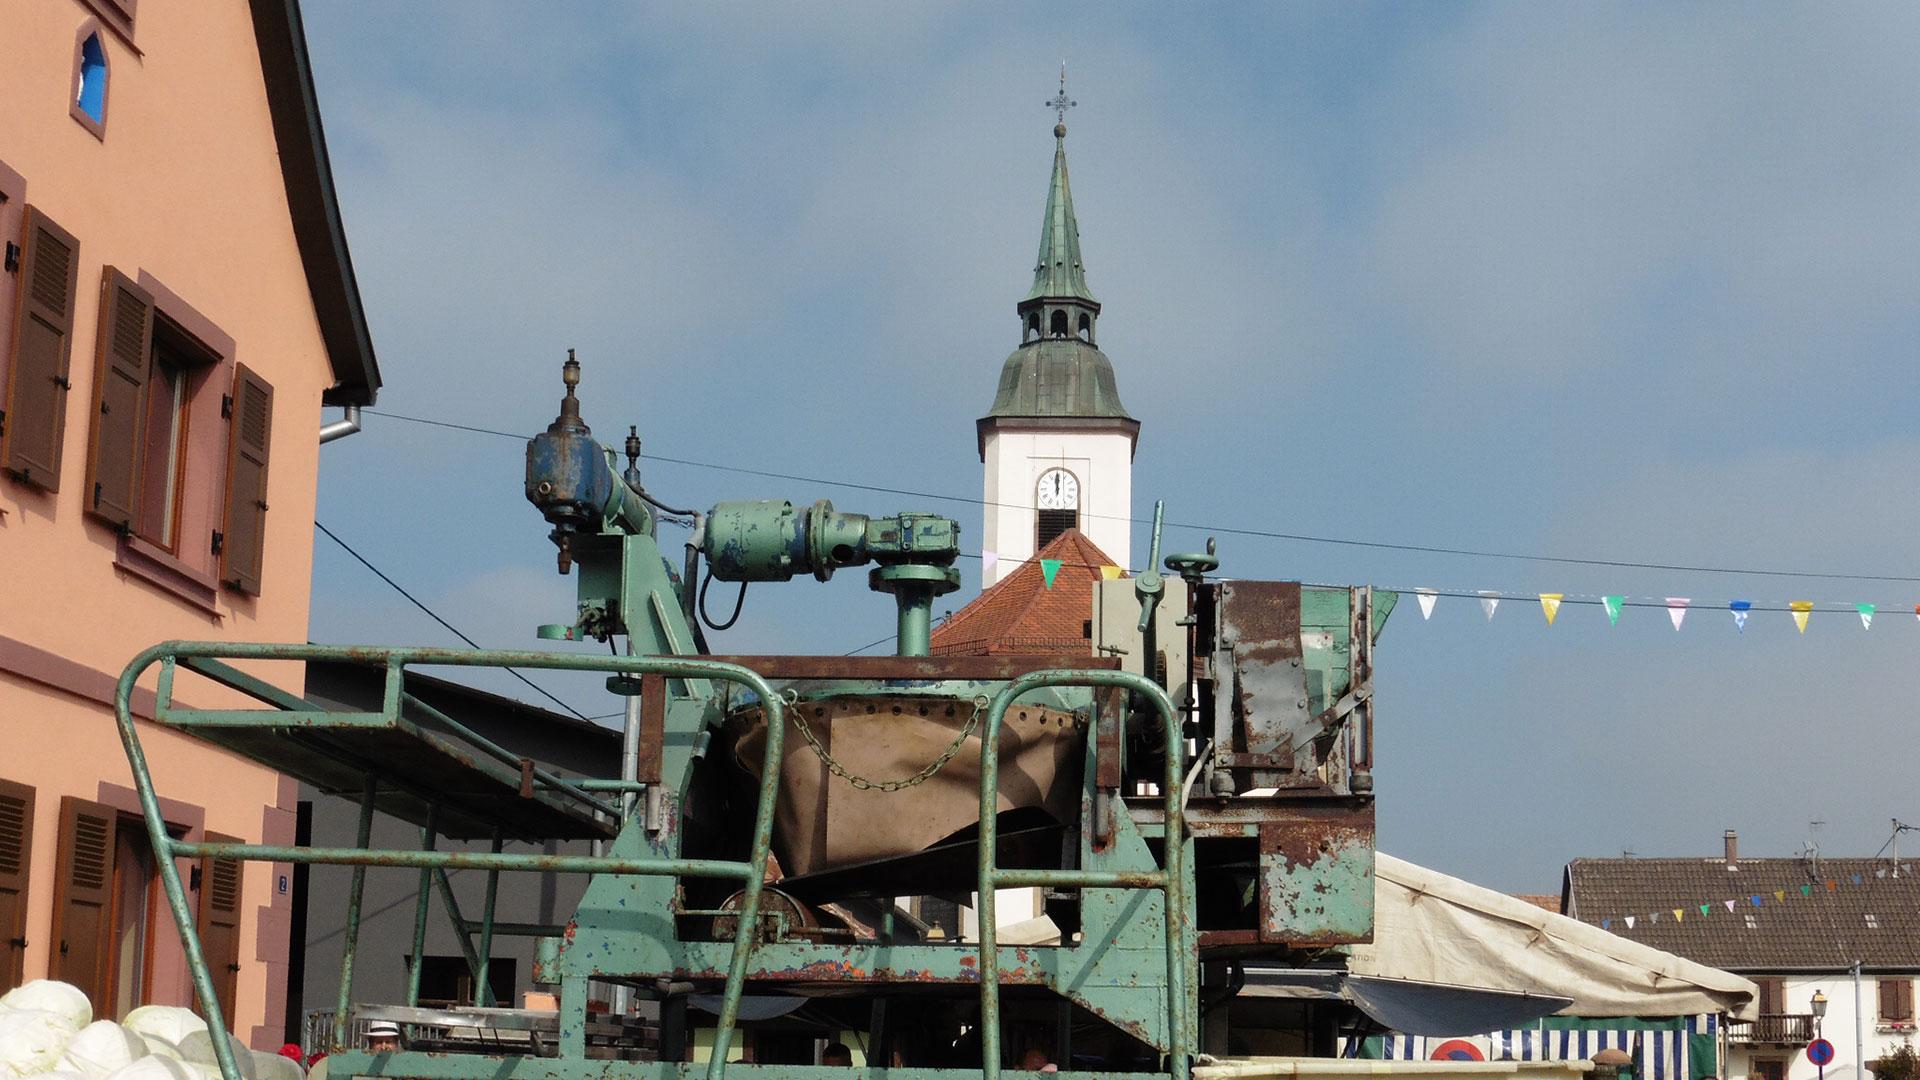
x: 1316, y: 878
x: 653, y: 728
x: 1260, y: 621
x: 914, y: 667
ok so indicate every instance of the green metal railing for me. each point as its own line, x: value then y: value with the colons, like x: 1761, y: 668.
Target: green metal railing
x: 205, y: 658
x: 1170, y: 879
x: 290, y: 711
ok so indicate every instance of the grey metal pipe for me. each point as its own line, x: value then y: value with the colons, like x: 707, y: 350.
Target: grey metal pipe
x: 629, y: 748
x: 348, y: 424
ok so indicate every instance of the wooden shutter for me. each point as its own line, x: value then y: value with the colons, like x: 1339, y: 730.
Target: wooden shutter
x: 250, y: 435
x: 122, y: 365
x: 1896, y: 999
x: 83, y: 899
x: 16, y: 844
x: 36, y: 405
x: 1773, y: 996
x: 218, y: 922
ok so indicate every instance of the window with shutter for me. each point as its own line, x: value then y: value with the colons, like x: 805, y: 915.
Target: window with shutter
x: 16, y: 847
x: 121, y: 373
x: 244, y: 542
x: 36, y: 403
x: 218, y: 921
x: 83, y: 898
x: 1896, y: 999
x: 1773, y: 996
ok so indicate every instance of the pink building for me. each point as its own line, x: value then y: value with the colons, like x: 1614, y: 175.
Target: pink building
x: 176, y: 306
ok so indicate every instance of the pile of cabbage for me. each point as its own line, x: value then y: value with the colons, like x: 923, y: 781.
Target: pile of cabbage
x: 47, y: 1031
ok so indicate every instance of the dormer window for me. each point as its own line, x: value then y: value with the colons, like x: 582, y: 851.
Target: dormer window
x: 89, y: 104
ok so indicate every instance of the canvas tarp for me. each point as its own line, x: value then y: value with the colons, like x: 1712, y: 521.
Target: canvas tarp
x: 1432, y: 928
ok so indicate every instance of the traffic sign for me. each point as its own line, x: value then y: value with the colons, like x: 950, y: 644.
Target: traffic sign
x: 1820, y: 1052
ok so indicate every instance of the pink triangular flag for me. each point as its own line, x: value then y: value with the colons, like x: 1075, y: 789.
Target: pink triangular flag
x: 1729, y: 904
x: 1427, y: 598
x: 1677, y: 609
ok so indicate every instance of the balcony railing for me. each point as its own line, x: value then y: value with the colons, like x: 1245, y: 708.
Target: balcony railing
x: 1790, y: 1029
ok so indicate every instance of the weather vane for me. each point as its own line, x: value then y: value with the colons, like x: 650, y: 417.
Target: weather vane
x: 1060, y: 103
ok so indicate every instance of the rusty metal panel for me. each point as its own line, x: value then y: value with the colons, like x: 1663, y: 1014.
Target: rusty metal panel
x: 1260, y: 637
x: 1316, y: 877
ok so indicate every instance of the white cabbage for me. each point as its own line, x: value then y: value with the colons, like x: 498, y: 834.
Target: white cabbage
x: 31, y: 1041
x: 170, y: 1022
x: 153, y: 1068
x: 100, y: 1048
x: 274, y: 1067
x: 197, y: 1048
x: 61, y: 999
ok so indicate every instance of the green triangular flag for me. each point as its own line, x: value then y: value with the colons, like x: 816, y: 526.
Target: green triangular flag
x: 1866, y: 615
x: 1048, y: 568
x: 1612, y: 604
x: 1806, y: 890
x: 1704, y: 908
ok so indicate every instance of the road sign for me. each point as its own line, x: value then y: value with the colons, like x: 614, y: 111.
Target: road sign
x: 1820, y: 1052
x: 1457, y: 1050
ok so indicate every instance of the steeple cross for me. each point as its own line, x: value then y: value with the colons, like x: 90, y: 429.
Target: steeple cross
x: 1060, y: 103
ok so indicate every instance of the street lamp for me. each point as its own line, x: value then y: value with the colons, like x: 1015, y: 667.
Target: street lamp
x: 1819, y: 1009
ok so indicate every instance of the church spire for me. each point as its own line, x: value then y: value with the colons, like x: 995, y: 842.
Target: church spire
x: 1059, y: 273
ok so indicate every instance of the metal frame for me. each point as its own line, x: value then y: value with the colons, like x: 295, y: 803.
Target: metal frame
x: 289, y: 710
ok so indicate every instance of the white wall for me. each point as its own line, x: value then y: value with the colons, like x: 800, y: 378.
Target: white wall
x: 1837, y: 1028
x: 1101, y: 461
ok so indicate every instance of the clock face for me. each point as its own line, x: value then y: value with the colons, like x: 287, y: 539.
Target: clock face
x: 1058, y: 490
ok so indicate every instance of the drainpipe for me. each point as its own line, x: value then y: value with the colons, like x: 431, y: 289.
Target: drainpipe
x: 348, y: 424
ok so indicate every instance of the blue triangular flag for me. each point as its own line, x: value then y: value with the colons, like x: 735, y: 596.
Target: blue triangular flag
x: 1740, y: 609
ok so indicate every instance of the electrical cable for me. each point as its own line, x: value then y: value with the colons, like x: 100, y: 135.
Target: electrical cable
x: 739, y: 602
x: 431, y: 614
x: 1305, y: 538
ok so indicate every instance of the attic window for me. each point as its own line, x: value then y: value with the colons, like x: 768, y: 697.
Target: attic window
x: 1752, y: 923
x: 1873, y: 922
x: 89, y: 104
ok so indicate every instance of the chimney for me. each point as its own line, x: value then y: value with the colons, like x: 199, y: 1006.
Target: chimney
x: 1733, y: 850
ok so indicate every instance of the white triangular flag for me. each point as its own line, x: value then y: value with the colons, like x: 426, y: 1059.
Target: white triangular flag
x: 1488, y: 602
x: 1677, y: 609
x: 988, y: 558
x: 1629, y: 922
x: 1427, y: 598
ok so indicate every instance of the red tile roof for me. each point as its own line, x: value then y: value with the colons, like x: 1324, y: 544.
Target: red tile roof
x: 1019, y: 614
x: 1545, y: 901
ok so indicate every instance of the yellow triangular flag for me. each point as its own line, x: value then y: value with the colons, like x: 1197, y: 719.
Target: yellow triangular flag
x: 1110, y: 573
x: 1678, y: 915
x: 1780, y: 895
x: 1800, y: 610
x: 1550, y: 605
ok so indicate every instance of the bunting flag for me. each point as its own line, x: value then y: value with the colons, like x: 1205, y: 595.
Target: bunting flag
x: 1677, y: 610
x: 1740, y: 608
x: 1428, y: 598
x: 1806, y: 890
x: 1488, y: 602
x: 988, y: 558
x: 1612, y: 604
x: 1110, y: 573
x: 1780, y: 895
x: 1729, y: 904
x: 1801, y: 609
x: 1049, y: 568
x: 1629, y: 922
x: 1550, y: 605
x: 1866, y: 615
x: 1704, y: 908
x: 1678, y: 915
x: 1893, y: 871
x: 1755, y: 898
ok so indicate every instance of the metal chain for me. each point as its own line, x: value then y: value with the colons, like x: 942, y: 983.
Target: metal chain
x: 980, y: 703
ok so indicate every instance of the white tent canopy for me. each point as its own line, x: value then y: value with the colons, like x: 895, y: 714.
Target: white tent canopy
x: 1431, y: 928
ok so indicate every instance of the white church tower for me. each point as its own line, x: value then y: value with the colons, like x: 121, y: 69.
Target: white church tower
x: 1057, y: 444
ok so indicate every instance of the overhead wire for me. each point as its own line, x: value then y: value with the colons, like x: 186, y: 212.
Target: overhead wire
x: 1230, y: 530
x: 435, y: 616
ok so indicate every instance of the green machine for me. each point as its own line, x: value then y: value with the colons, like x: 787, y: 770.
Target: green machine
x: 793, y: 849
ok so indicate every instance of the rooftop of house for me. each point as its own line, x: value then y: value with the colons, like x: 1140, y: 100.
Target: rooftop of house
x: 1543, y: 901
x: 1020, y: 614
x: 1777, y: 915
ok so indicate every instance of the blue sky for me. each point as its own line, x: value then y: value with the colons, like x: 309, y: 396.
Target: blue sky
x: 1626, y: 282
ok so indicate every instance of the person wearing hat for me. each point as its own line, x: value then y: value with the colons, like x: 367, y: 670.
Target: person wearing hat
x: 383, y: 1037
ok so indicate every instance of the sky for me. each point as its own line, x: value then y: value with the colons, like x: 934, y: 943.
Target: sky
x: 1633, y: 283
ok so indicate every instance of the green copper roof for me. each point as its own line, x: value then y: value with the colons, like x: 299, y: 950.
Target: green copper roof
x: 1059, y: 274
x: 1058, y: 377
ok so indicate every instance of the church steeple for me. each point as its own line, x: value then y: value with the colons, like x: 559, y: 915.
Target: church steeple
x: 1059, y: 274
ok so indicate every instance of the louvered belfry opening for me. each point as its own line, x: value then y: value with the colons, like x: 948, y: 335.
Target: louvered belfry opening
x: 1052, y: 523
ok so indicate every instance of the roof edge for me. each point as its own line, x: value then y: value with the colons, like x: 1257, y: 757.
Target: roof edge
x: 312, y: 202
x: 1125, y: 425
